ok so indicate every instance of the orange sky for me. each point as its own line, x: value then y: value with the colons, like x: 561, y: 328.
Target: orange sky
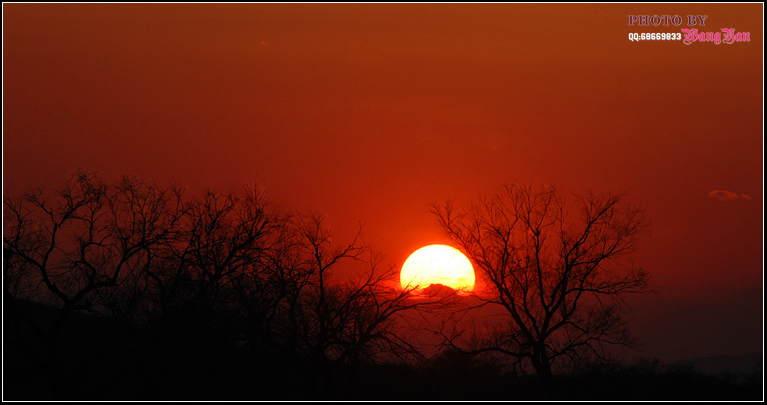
x: 370, y: 112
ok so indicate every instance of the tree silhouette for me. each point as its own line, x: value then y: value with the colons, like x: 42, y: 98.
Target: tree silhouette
x: 334, y: 320
x: 212, y: 276
x: 130, y: 290
x: 559, y: 278
x: 186, y: 275
x: 81, y: 247
x: 86, y: 237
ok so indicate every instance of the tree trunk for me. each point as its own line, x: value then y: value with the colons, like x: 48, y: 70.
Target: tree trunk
x: 541, y: 363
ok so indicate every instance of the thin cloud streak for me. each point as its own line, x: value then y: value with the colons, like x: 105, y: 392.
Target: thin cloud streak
x: 726, y: 195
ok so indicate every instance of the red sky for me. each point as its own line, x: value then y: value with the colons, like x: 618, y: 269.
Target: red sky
x: 371, y: 112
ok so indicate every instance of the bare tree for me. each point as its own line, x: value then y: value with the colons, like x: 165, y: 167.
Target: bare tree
x: 336, y: 319
x: 81, y: 247
x: 86, y: 237
x: 187, y: 275
x: 559, y: 278
x: 214, y: 279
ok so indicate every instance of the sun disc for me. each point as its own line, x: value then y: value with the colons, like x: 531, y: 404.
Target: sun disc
x: 437, y: 264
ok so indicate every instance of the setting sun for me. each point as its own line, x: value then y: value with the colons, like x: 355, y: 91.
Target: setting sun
x: 437, y: 264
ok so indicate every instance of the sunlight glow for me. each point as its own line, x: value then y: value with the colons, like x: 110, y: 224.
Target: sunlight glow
x: 437, y: 264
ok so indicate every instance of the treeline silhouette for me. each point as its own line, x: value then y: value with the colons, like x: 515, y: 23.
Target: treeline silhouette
x: 180, y: 282
x: 130, y: 290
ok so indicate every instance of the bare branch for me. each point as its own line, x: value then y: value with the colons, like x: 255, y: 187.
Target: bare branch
x: 547, y: 271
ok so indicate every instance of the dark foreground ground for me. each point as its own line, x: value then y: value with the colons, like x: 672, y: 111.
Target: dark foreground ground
x: 95, y: 361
